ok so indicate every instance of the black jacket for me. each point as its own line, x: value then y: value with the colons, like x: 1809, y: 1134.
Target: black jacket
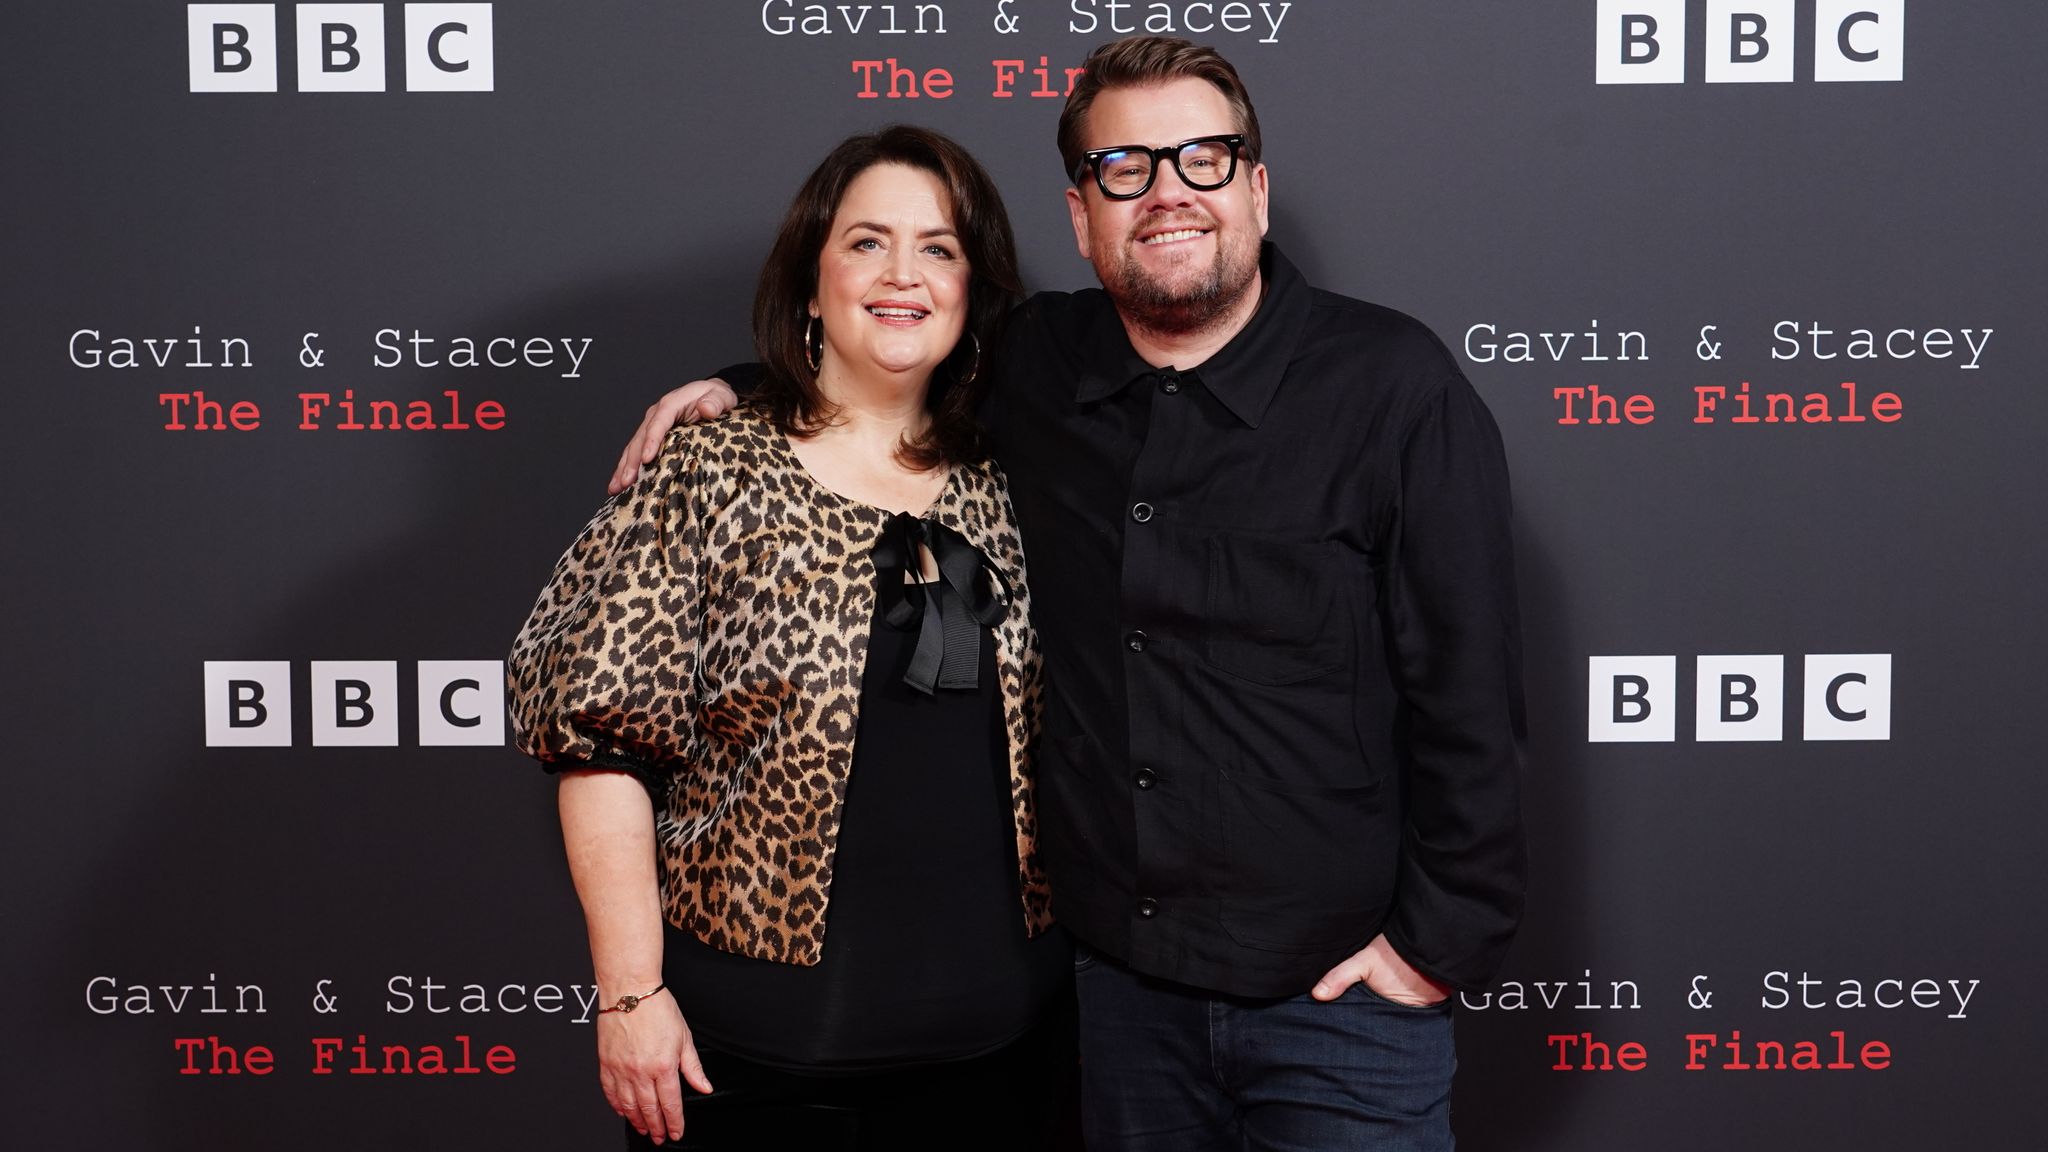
x: 1276, y: 595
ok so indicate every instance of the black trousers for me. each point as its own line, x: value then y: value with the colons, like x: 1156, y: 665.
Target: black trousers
x: 1021, y: 1098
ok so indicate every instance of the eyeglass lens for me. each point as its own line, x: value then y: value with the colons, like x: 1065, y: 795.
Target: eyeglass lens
x: 1203, y: 164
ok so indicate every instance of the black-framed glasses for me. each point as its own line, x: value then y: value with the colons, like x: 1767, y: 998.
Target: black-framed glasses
x: 1205, y: 163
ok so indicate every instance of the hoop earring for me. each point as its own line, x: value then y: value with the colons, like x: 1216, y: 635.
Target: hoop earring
x: 974, y: 367
x: 810, y: 358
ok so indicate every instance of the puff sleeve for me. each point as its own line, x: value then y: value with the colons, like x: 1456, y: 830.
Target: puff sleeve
x: 603, y: 673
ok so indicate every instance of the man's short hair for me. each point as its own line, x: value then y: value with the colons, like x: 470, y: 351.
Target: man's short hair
x: 1143, y: 61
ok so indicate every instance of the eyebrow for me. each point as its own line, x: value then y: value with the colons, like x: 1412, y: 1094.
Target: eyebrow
x: 1150, y: 147
x: 871, y: 226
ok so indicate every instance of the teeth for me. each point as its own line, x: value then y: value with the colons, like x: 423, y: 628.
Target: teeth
x: 897, y: 313
x: 1168, y: 237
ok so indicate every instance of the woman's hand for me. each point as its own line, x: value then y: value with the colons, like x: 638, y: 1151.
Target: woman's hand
x: 695, y: 401
x: 638, y: 1056
x: 608, y: 834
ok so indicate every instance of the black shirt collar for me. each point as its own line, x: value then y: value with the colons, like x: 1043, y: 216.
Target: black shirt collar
x: 1243, y: 374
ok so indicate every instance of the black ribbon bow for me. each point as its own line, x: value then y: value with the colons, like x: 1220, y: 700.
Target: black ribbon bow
x: 948, y: 651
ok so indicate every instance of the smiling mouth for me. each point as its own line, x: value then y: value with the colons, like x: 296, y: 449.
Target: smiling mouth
x: 897, y: 313
x: 1175, y: 236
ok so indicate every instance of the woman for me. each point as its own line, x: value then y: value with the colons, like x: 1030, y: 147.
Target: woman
x: 792, y: 686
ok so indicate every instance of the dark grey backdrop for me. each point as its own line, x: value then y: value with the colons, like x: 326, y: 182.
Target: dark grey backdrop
x: 619, y: 183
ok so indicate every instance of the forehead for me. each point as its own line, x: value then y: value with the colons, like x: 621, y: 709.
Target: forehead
x: 1158, y: 114
x: 895, y: 193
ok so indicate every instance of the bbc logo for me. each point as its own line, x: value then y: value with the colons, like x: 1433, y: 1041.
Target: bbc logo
x: 1634, y: 698
x: 234, y: 47
x: 355, y: 703
x: 1750, y: 41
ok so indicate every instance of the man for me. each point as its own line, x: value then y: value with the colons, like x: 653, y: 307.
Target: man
x: 1268, y: 537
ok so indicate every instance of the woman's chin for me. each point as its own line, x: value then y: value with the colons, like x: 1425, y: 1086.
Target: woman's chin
x: 899, y: 362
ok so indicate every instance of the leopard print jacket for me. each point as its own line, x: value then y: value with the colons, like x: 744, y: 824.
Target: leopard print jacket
x: 708, y: 631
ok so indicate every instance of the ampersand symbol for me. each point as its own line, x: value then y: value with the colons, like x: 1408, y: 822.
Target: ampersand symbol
x: 309, y: 356
x: 322, y: 1002
x: 1707, y: 348
x: 1699, y: 997
x: 1005, y: 23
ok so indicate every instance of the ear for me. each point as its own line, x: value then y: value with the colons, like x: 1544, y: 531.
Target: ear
x: 1077, y: 208
x: 1259, y: 195
x: 812, y: 308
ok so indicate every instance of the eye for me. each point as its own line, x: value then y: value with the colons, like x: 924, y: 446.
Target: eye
x: 867, y: 244
x: 939, y: 250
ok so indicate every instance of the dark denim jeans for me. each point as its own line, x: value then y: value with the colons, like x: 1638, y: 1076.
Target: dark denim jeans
x: 1168, y: 1068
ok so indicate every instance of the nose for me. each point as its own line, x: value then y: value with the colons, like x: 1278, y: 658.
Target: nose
x: 901, y: 269
x: 1168, y: 190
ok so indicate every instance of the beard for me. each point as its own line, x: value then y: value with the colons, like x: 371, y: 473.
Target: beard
x: 1190, y: 298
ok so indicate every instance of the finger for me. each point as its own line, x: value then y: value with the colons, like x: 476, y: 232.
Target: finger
x: 660, y: 419
x: 647, y: 1111
x: 715, y: 401
x: 669, y: 1092
x: 628, y: 468
x: 1337, y: 979
x: 693, y: 1069
x: 650, y: 437
x: 645, y: 444
x: 628, y: 1108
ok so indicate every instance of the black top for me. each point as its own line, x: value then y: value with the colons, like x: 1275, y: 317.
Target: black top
x: 925, y: 957
x: 1277, y: 600
x: 1283, y: 654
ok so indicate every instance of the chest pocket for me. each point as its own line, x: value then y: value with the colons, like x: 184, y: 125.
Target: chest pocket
x: 1276, y: 612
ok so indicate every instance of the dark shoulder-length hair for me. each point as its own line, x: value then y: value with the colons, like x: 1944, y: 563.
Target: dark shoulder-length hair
x: 789, y: 281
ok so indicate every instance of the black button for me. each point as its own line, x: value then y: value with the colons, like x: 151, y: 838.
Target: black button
x: 1169, y: 383
x: 1148, y: 907
x: 1141, y: 511
x: 1135, y: 641
x: 1145, y: 778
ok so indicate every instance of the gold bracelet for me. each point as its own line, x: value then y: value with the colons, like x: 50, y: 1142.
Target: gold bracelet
x: 628, y: 1003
